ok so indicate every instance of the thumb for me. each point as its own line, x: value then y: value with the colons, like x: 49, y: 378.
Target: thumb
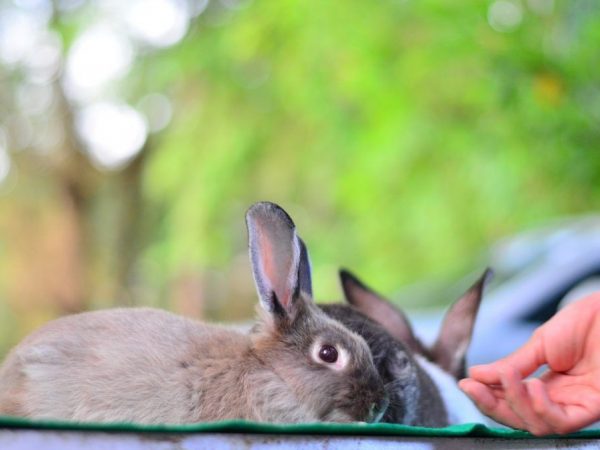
x: 524, y: 360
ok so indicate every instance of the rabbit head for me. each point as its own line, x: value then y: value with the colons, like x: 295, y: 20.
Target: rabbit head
x: 413, y: 372
x: 413, y: 399
x: 327, y: 366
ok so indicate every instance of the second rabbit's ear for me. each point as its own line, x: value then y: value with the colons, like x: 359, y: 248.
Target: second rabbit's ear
x: 276, y: 254
x: 452, y: 343
x: 380, y: 310
x: 304, y: 270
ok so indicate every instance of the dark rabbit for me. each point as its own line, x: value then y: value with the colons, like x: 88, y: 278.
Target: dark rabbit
x: 421, y: 380
x: 150, y: 366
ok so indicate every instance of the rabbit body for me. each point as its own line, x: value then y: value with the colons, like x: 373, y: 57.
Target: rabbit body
x: 459, y: 408
x: 150, y: 366
x: 144, y: 365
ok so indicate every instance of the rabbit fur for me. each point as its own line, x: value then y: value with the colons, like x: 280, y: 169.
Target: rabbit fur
x: 150, y: 366
x: 421, y: 380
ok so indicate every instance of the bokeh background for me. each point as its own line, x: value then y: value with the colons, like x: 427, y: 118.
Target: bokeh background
x: 404, y: 138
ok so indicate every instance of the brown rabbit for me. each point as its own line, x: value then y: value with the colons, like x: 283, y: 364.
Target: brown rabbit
x: 150, y: 366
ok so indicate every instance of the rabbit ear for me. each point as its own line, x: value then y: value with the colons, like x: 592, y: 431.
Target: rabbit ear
x: 380, y: 310
x: 275, y: 255
x: 304, y: 270
x: 453, y: 340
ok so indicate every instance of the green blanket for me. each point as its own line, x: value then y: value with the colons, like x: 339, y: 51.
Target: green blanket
x: 240, y: 426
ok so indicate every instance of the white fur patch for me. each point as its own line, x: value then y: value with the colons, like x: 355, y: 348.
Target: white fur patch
x: 460, y: 408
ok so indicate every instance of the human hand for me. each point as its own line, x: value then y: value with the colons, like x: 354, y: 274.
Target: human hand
x: 567, y: 396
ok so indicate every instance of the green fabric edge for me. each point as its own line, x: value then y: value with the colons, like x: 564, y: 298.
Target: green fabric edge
x: 242, y: 426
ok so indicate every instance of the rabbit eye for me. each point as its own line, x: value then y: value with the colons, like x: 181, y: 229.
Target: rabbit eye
x: 328, y: 353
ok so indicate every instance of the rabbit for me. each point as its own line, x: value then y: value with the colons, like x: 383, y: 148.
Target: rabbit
x: 150, y: 366
x: 421, y: 380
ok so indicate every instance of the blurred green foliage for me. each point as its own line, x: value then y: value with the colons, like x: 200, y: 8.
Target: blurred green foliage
x: 403, y: 137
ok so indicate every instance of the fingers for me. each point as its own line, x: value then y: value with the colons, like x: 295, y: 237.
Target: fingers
x: 491, y: 402
x: 560, y: 419
x: 481, y: 394
x: 519, y: 400
x: 545, y: 409
x: 525, y: 405
x: 525, y: 361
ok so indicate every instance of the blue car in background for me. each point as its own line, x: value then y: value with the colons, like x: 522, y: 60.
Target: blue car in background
x: 537, y: 273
